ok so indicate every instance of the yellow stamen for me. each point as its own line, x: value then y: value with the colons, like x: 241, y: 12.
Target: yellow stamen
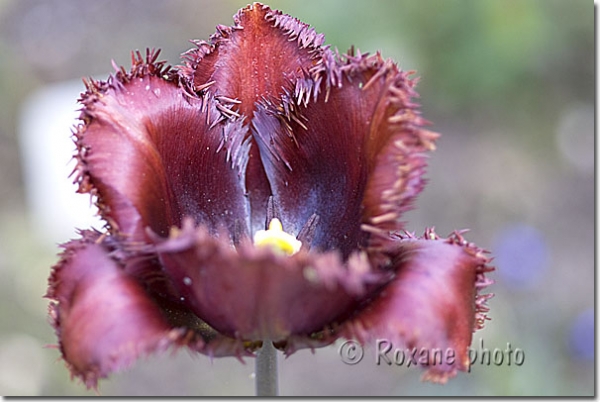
x: 277, y: 239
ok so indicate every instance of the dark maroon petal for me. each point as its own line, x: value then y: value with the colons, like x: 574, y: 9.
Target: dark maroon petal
x: 103, y: 318
x: 432, y: 303
x: 258, y: 59
x: 153, y: 154
x: 347, y: 148
x: 252, y: 294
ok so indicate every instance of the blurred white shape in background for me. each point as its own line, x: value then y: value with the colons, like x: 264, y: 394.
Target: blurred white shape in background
x: 575, y: 136
x: 47, y: 119
x: 23, y: 365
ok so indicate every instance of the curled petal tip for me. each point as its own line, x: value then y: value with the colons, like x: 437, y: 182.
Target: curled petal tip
x: 126, y: 323
x: 432, y: 302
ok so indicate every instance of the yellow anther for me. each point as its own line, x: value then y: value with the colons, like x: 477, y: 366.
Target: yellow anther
x: 275, y: 225
x: 277, y: 239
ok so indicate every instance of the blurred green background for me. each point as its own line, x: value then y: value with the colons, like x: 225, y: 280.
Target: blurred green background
x: 509, y: 84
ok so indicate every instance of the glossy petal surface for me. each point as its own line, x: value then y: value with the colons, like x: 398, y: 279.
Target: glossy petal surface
x: 330, y: 153
x: 259, y: 58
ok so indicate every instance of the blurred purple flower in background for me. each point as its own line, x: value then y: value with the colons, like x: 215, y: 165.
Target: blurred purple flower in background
x: 522, y: 255
x: 581, y: 339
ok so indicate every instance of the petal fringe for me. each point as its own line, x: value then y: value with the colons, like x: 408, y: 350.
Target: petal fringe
x: 105, y: 319
x: 259, y: 58
x: 151, y: 154
x: 433, y: 305
x: 346, y: 145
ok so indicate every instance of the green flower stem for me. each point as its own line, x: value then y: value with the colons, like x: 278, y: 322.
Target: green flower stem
x: 266, y: 371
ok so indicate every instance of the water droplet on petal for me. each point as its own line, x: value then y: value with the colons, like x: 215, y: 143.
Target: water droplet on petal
x: 187, y: 281
x: 156, y: 92
x: 310, y: 274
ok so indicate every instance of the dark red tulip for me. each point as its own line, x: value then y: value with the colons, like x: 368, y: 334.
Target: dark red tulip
x: 262, y: 125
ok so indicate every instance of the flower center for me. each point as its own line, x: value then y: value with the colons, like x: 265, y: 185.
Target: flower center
x: 276, y: 239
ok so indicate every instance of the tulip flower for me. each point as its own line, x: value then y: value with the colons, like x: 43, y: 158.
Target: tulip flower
x: 254, y: 195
